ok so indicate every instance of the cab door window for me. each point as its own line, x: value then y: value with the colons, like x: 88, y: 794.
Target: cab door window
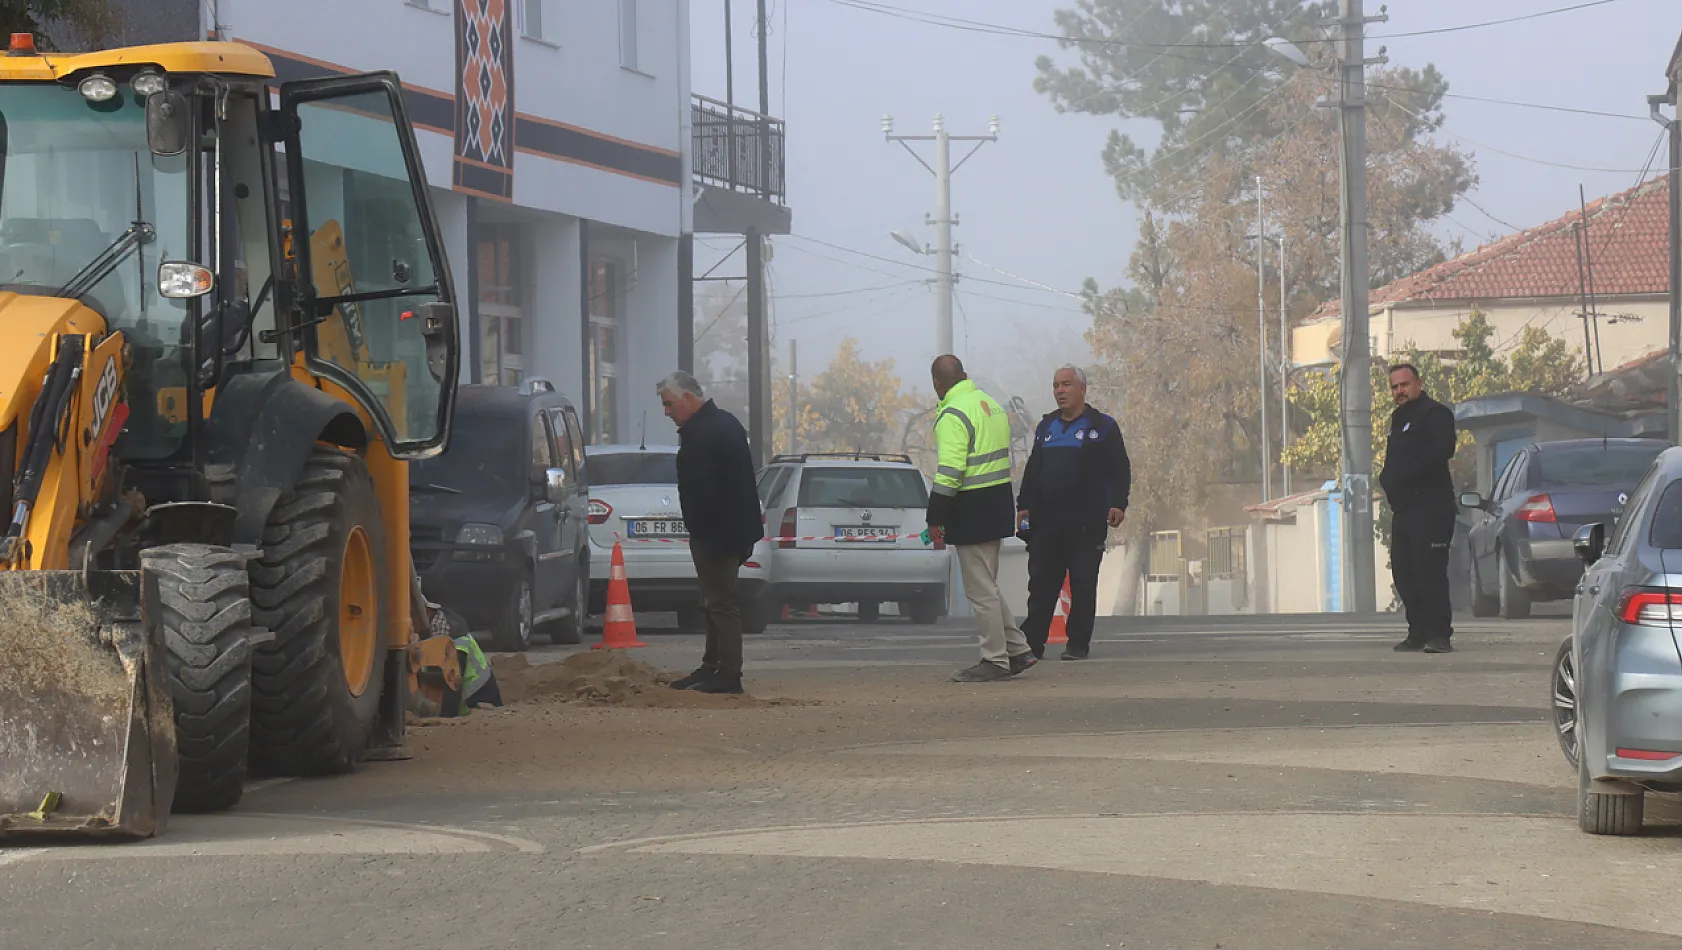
x: 368, y: 256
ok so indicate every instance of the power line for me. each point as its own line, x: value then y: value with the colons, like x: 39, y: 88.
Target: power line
x: 1525, y: 158
x: 999, y: 29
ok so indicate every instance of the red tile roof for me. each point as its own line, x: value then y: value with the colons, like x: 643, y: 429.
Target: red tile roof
x: 1628, y: 238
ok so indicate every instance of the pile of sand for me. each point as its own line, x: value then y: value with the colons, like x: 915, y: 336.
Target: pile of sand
x: 594, y: 676
x: 604, y: 678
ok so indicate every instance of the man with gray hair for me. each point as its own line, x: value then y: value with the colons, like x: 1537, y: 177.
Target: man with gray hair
x: 715, y: 486
x: 1074, y: 489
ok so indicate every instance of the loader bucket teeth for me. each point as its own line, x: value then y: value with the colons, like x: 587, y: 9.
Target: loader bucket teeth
x: 87, y: 732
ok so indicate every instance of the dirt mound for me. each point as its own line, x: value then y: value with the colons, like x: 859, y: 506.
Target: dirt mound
x: 49, y: 643
x: 605, y: 678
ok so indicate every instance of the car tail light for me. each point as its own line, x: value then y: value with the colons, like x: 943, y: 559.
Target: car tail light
x: 1648, y: 755
x: 1649, y: 606
x: 600, y: 511
x: 752, y: 564
x: 1540, y: 508
x: 791, y: 519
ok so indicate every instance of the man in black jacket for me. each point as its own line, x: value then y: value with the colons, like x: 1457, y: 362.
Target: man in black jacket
x: 1074, y: 490
x: 1420, y: 490
x: 715, y: 485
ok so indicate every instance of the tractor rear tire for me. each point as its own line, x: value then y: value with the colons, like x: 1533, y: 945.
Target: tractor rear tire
x: 321, y: 586
x: 204, y: 595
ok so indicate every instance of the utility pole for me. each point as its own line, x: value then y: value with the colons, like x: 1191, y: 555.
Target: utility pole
x: 759, y: 337
x: 793, y: 399
x: 1357, y: 350
x: 1674, y: 180
x: 1261, y: 344
x: 1284, y: 375
x: 943, y: 218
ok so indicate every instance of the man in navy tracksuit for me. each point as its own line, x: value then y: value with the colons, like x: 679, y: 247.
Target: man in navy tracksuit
x: 1073, y: 491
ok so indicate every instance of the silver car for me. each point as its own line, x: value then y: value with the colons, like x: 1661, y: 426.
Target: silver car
x: 633, y: 500
x: 846, y: 530
x: 1617, y: 681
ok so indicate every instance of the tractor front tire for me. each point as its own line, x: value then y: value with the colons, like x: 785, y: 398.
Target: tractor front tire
x: 320, y: 585
x: 205, y: 601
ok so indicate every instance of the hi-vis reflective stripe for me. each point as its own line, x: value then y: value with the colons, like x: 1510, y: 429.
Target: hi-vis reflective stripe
x: 965, y: 420
x: 618, y: 613
x: 985, y: 479
x: 941, y: 488
x: 951, y: 472
x: 998, y: 456
x: 616, y: 572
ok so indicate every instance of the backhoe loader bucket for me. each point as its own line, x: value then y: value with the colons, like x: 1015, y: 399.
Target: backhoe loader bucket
x: 87, y: 733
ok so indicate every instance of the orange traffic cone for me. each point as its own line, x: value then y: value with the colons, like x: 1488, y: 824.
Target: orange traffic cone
x: 1060, y: 617
x: 619, y: 630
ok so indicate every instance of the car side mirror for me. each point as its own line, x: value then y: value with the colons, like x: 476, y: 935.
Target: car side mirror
x: 555, y: 485
x: 1589, y: 542
x: 1471, y: 499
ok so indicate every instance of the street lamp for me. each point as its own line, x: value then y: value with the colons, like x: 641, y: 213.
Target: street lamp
x: 1287, y: 49
x: 908, y: 241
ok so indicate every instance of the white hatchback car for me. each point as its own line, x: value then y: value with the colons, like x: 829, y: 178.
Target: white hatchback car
x: 846, y: 529
x: 634, y: 500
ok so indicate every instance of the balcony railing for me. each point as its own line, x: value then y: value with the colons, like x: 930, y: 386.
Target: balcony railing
x: 738, y: 149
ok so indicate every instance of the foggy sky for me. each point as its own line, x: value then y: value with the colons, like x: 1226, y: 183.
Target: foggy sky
x: 1037, y: 203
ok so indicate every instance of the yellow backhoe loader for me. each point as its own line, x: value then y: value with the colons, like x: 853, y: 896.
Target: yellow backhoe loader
x: 205, y: 425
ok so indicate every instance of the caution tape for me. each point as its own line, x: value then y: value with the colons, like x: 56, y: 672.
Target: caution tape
x: 814, y: 537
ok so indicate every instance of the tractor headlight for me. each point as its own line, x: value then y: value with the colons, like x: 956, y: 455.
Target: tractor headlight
x: 98, y: 88
x: 183, y: 280
x: 147, y: 83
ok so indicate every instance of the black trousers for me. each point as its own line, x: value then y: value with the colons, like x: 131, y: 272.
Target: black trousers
x: 721, y: 606
x: 1419, y: 545
x: 1053, y: 554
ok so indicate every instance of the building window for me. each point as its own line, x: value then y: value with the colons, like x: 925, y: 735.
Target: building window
x: 606, y: 323
x: 530, y: 16
x: 628, y: 34
x: 501, y: 313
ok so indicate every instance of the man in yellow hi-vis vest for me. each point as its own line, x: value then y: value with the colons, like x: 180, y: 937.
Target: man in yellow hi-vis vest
x: 972, y: 508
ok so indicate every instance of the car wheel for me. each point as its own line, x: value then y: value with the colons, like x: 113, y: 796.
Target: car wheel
x: 926, y: 608
x: 512, y: 631
x: 870, y: 611
x: 1483, y: 605
x: 570, y: 629
x: 1601, y: 814
x: 1515, y: 600
x: 1563, y: 697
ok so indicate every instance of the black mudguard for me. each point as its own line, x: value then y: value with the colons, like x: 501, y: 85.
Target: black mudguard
x: 262, y: 428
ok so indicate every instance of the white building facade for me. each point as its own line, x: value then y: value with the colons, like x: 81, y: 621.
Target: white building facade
x: 556, y: 137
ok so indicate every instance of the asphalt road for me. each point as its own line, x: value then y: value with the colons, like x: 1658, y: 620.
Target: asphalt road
x: 1278, y: 786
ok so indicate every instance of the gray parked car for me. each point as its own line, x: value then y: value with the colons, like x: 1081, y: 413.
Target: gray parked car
x: 1520, y: 538
x: 1617, y: 681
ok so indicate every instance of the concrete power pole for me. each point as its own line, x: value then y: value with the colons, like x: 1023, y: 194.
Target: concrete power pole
x: 793, y: 399
x: 943, y: 219
x: 1357, y: 351
x: 1261, y: 344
